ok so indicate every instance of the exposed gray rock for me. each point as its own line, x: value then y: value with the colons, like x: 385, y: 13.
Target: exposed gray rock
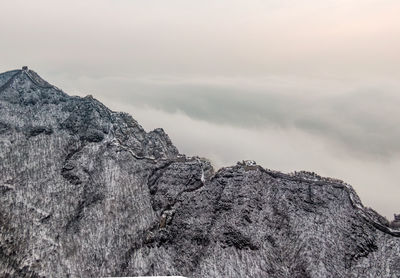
x: 87, y: 192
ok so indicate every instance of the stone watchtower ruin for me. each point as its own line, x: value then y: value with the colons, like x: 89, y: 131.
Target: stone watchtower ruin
x: 396, y: 222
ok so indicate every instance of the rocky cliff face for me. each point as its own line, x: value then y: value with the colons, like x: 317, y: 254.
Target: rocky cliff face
x: 86, y: 192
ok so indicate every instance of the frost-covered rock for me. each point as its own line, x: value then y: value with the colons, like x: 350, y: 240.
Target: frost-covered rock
x: 87, y: 192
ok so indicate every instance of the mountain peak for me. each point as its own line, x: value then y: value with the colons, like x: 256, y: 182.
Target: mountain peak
x: 23, y: 77
x: 26, y: 87
x: 36, y: 79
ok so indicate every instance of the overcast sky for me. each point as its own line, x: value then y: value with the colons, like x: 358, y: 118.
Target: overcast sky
x: 293, y: 84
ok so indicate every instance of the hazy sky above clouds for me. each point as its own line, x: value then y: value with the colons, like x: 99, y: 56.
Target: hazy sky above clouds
x: 293, y: 84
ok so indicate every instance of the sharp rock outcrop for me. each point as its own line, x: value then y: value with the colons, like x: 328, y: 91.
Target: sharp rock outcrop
x: 87, y: 192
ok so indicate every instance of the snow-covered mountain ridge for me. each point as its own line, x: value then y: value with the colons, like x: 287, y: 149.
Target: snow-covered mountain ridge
x: 87, y: 192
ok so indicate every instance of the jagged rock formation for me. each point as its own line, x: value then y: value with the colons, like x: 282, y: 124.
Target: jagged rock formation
x: 86, y: 192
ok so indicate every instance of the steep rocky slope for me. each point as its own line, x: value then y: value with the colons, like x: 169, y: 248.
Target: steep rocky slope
x: 86, y: 192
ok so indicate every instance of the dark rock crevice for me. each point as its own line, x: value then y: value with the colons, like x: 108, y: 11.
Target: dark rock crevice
x: 33, y: 131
